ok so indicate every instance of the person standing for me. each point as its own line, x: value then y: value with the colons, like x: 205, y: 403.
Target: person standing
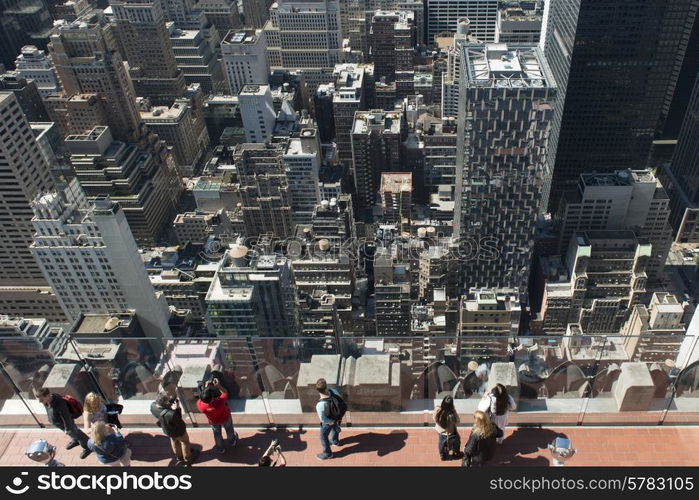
x: 60, y: 416
x: 169, y: 414
x: 109, y: 445
x: 94, y: 410
x: 330, y: 409
x: 213, y: 403
x: 480, y: 447
x: 446, y: 420
x: 498, y: 404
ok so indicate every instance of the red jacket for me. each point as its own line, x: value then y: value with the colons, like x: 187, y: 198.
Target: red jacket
x: 217, y: 411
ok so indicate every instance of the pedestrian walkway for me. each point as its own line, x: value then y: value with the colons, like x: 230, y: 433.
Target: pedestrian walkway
x: 600, y: 446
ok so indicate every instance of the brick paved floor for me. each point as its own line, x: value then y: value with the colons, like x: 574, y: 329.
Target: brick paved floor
x: 610, y: 446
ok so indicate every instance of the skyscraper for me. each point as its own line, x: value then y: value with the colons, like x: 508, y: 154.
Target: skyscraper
x: 507, y: 98
x: 265, y: 200
x: 89, y: 257
x: 256, y: 12
x: 305, y: 37
x: 146, y: 187
x: 27, y: 95
x: 22, y: 22
x: 353, y: 91
x: 606, y: 276
x: 251, y: 295
x: 442, y: 15
x: 244, y: 58
x: 182, y: 127
x: 257, y: 112
x: 24, y: 174
x: 623, y: 200
x: 223, y: 14
x: 33, y: 64
x: 302, y: 159
x: 376, y: 144
x: 616, y: 64
x: 196, y: 58
x: 145, y: 42
x: 681, y: 176
x: 452, y: 75
x: 87, y: 61
x: 391, y: 48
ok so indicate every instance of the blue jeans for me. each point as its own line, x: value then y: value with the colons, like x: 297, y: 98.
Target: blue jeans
x: 442, y: 443
x: 329, y: 433
x: 218, y: 433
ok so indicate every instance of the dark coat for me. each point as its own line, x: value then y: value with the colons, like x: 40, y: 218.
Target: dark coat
x: 481, y: 450
x: 58, y: 413
x: 169, y: 420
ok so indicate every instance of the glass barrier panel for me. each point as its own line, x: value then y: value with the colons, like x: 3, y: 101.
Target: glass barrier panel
x: 575, y: 379
x: 234, y: 361
x: 683, y: 407
x: 632, y: 381
x: 39, y: 358
x: 289, y: 373
x: 550, y: 381
x: 384, y: 378
x: 124, y: 371
x: 26, y: 365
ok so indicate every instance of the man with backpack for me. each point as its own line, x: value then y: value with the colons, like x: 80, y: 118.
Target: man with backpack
x: 169, y: 414
x: 62, y: 412
x: 330, y: 408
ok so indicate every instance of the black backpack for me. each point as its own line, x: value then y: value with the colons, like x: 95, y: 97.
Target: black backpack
x: 452, y: 446
x: 336, y: 407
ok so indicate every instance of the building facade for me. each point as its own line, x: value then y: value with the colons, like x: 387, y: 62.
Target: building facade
x: 442, y: 16
x: 602, y: 125
x: 147, y: 189
x: 244, y: 59
x: 90, y: 258
x: 33, y: 64
x: 305, y: 37
x: 507, y: 96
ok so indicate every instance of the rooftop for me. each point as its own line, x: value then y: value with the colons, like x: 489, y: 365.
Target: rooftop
x: 395, y: 182
x: 162, y: 113
x: 254, y: 90
x: 249, y: 36
x: 101, y: 323
x: 502, y: 66
x: 365, y: 121
x: 306, y: 144
x: 519, y: 14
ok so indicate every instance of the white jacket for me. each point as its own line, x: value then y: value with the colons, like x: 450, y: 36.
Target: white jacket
x: 499, y: 420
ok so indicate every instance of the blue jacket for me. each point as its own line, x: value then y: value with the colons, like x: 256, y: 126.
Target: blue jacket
x: 111, y: 449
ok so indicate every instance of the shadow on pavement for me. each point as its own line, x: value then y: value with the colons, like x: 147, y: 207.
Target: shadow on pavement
x: 150, y: 447
x: 248, y: 450
x: 382, y: 444
x: 526, y: 441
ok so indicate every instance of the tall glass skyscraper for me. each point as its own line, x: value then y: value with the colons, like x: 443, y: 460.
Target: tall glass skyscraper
x: 616, y: 65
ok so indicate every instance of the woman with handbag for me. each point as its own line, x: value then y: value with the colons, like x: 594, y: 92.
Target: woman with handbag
x: 109, y: 445
x: 498, y: 404
x: 480, y: 447
x: 445, y: 423
x: 95, y: 410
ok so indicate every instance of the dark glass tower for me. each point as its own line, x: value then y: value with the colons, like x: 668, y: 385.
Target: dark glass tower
x: 681, y: 175
x: 616, y: 64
